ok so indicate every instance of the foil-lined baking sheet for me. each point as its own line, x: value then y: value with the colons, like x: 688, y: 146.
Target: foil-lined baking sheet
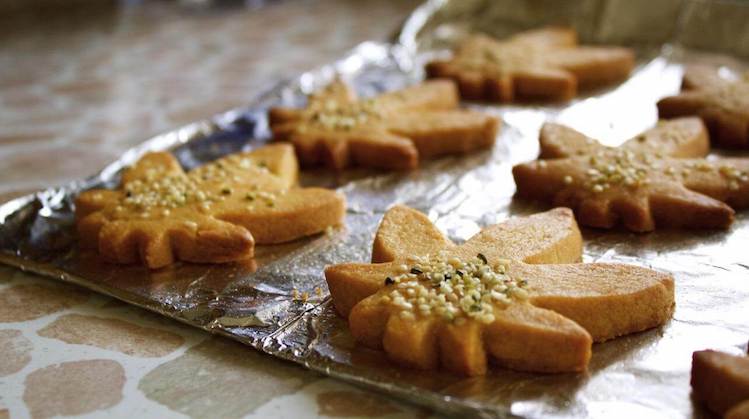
x: 645, y: 374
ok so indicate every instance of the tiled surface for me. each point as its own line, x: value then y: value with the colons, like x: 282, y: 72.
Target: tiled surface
x: 85, y: 91
x: 77, y: 91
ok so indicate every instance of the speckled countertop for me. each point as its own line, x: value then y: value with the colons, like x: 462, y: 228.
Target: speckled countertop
x: 78, y: 88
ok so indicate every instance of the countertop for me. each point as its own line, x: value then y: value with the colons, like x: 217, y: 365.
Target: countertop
x: 79, y: 84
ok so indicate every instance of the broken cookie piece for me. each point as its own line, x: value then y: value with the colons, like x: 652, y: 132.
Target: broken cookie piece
x: 721, y: 381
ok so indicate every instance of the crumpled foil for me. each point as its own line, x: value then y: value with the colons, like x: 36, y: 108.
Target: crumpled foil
x: 641, y: 374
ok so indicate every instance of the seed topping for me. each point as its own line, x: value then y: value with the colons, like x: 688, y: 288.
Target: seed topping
x: 734, y: 176
x: 454, y: 289
x: 166, y: 191
x: 617, y: 167
x: 344, y: 117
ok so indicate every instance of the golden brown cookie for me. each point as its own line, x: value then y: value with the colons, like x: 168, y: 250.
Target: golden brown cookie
x: 722, y: 103
x: 211, y: 214
x: 721, y: 381
x: 545, y: 64
x: 657, y: 178
x: 740, y: 411
x: 390, y: 131
x: 512, y: 292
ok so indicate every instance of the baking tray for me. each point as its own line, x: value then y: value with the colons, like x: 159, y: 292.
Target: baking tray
x: 641, y: 374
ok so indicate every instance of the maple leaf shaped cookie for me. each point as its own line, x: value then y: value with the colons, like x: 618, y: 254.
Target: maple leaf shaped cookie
x: 211, y: 214
x: 545, y: 64
x: 723, y: 104
x: 511, y: 292
x: 390, y: 131
x: 657, y: 178
x: 721, y: 381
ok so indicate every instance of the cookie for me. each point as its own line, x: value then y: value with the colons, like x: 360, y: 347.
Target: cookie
x: 658, y: 178
x: 212, y: 214
x: 722, y: 103
x: 390, y: 131
x: 513, y: 293
x: 740, y: 411
x: 721, y: 381
x: 541, y: 64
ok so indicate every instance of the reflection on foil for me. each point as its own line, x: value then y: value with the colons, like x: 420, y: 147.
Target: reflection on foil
x: 254, y: 302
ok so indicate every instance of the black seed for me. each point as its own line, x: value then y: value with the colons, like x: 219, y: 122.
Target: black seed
x: 448, y: 276
x: 389, y: 281
x: 460, y: 273
x: 483, y: 258
x: 416, y: 271
x: 226, y: 191
x: 128, y: 194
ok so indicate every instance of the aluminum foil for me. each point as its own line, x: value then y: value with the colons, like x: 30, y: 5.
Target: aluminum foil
x: 642, y: 374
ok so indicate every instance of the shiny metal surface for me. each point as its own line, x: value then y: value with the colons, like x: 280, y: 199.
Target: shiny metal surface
x: 643, y: 374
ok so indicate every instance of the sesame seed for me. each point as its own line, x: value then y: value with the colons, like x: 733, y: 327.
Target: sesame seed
x: 406, y: 315
x: 704, y: 166
x: 434, y: 287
